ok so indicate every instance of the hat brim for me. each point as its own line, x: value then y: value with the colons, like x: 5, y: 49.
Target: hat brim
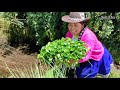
x: 67, y: 19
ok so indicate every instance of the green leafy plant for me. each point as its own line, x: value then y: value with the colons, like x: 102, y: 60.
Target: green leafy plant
x: 61, y: 51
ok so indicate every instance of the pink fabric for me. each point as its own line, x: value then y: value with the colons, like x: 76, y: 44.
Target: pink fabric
x: 96, y: 49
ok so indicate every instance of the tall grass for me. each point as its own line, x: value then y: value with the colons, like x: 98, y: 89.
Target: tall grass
x: 38, y: 71
x: 35, y: 71
x: 114, y: 75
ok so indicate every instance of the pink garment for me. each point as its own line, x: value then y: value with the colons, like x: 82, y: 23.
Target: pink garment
x: 96, y: 49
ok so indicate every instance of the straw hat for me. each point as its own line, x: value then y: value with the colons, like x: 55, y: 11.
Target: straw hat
x: 75, y: 17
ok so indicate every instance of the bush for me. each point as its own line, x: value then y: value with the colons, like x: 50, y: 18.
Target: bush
x: 43, y: 27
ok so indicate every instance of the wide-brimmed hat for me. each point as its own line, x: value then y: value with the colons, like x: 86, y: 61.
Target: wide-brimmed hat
x: 75, y: 17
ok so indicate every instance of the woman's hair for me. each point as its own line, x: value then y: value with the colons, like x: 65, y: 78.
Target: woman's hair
x: 85, y: 24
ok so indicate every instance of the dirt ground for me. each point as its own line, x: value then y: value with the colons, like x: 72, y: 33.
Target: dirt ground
x: 14, y: 57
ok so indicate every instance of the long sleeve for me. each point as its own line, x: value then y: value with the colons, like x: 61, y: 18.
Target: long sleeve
x: 96, y: 49
x: 89, y: 44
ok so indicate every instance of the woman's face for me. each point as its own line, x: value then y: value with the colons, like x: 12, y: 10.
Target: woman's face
x: 75, y: 28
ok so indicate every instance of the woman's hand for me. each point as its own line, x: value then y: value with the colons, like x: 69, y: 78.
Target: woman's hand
x: 71, y: 61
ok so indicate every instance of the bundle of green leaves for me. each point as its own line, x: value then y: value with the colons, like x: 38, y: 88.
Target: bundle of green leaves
x: 61, y: 51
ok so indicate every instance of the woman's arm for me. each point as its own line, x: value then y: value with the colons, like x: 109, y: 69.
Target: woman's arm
x: 89, y: 43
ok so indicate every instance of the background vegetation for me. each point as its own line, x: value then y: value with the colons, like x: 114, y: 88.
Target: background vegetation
x: 38, y: 28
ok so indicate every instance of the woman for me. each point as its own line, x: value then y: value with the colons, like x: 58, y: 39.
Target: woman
x: 98, y: 59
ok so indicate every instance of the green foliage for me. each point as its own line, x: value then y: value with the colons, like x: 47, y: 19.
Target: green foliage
x: 39, y: 28
x: 10, y: 15
x: 45, y: 26
x: 16, y: 32
x: 101, y: 23
x: 55, y: 72
x: 106, y: 25
x: 59, y: 52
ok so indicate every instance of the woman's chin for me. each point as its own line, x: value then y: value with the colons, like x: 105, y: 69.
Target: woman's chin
x: 74, y: 34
